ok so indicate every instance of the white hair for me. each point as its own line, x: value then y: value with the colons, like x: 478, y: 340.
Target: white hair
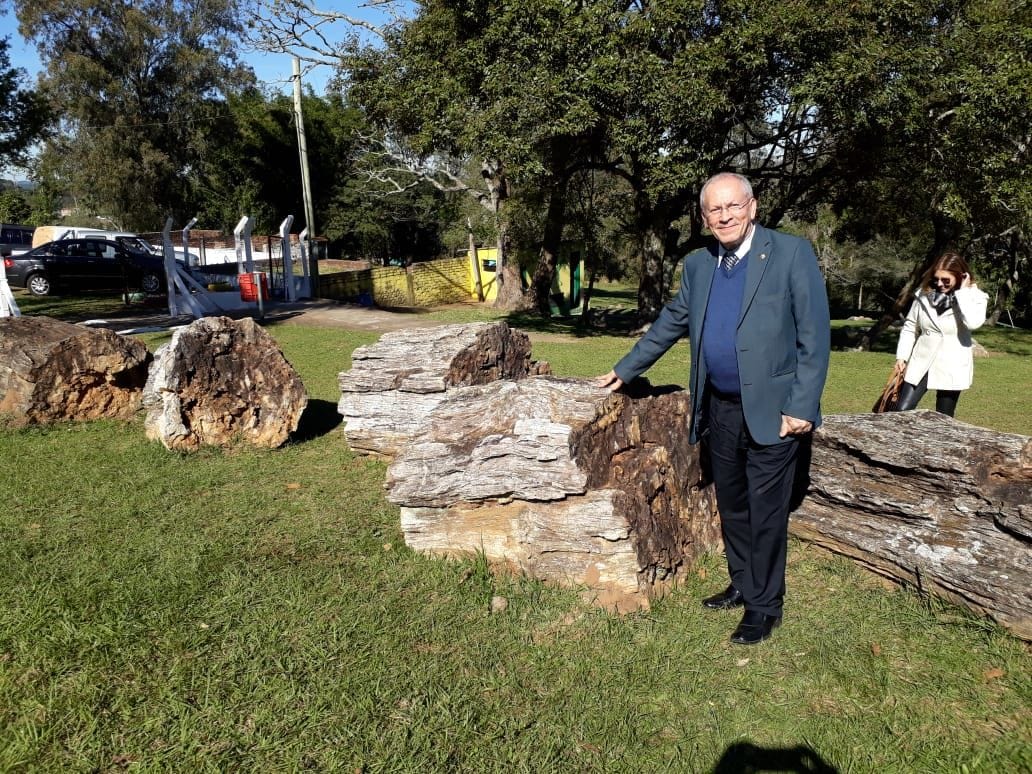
x: 743, y: 181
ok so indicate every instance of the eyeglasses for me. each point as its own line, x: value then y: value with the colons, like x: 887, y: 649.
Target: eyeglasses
x: 730, y: 209
x: 943, y: 280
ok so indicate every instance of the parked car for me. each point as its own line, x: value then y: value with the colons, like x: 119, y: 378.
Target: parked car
x: 85, y: 264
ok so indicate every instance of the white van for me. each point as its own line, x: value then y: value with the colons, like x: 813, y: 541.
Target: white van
x: 44, y: 234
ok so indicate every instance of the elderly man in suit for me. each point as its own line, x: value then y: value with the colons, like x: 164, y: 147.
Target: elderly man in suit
x: 755, y: 310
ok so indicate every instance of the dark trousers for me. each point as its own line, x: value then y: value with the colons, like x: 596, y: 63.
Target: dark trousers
x: 910, y: 395
x: 754, y: 489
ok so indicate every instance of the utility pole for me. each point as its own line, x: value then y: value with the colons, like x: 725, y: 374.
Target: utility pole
x: 306, y: 183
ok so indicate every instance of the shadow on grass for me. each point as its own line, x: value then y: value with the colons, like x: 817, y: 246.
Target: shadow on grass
x: 747, y: 757
x: 86, y: 306
x: 614, y: 324
x: 320, y: 418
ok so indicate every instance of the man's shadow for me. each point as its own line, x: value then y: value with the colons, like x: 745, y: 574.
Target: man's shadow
x: 748, y: 758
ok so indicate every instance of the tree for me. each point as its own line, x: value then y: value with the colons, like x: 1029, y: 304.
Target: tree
x: 499, y: 82
x: 902, y: 114
x: 24, y: 116
x: 963, y: 146
x: 13, y: 206
x: 137, y: 86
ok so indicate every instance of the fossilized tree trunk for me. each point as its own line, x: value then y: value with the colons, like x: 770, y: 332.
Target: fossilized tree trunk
x: 929, y: 501
x: 393, y: 384
x: 561, y: 479
x: 52, y: 370
x: 572, y: 484
x: 219, y: 381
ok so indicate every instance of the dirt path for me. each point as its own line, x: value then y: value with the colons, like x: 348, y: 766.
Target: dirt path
x: 315, y: 313
x: 350, y: 317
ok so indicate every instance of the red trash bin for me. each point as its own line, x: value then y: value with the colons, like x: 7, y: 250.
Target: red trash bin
x: 249, y: 286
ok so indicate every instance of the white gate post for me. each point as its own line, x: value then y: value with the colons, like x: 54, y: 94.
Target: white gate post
x: 288, y: 259
x: 170, y: 267
x: 242, y: 239
x: 186, y: 243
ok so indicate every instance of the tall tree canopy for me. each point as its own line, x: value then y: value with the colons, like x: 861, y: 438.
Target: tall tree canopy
x: 136, y: 84
x: 24, y: 115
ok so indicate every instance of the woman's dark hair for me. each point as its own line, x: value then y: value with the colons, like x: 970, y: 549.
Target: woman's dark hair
x: 950, y: 262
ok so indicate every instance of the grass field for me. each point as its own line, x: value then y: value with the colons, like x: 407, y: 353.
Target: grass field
x: 252, y: 610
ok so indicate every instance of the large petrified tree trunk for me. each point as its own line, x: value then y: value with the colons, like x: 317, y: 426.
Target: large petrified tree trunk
x: 394, y: 383
x: 221, y: 380
x: 52, y: 370
x: 930, y: 501
x: 569, y: 483
x: 562, y: 480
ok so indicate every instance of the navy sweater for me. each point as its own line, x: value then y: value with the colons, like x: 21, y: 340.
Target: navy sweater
x: 719, y: 331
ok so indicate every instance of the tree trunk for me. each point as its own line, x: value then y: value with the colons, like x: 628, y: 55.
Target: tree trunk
x: 562, y: 480
x: 220, y: 381
x: 651, y: 284
x: 509, y: 294
x: 928, y: 501
x: 1005, y: 291
x: 551, y: 243
x: 52, y: 370
x: 395, y: 383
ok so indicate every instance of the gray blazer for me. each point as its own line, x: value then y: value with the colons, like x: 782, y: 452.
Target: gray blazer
x: 784, y: 333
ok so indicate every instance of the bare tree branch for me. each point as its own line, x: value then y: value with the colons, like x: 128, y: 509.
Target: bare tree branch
x: 323, y: 38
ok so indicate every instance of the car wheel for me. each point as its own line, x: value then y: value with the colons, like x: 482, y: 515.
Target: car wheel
x: 150, y: 283
x: 38, y: 285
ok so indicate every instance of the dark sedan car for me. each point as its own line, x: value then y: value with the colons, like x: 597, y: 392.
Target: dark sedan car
x: 85, y: 264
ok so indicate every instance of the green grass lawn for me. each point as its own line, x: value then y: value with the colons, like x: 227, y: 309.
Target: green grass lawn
x: 253, y: 610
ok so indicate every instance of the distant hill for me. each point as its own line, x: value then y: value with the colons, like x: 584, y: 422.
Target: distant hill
x: 24, y: 185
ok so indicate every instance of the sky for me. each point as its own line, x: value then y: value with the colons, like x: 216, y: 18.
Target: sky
x: 272, y: 69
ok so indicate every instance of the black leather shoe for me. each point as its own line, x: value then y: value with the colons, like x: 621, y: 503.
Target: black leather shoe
x: 755, y: 627
x: 725, y: 600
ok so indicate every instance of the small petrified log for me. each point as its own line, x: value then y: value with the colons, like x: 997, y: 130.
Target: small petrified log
x: 218, y: 381
x: 52, y: 370
x: 394, y: 384
x: 927, y: 500
x: 562, y: 480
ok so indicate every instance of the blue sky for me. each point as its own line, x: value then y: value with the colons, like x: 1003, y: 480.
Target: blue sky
x: 273, y: 69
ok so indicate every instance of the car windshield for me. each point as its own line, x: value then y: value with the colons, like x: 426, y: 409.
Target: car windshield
x: 136, y: 244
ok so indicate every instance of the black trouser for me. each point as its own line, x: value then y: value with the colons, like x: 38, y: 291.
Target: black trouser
x: 754, y: 487
x: 910, y: 395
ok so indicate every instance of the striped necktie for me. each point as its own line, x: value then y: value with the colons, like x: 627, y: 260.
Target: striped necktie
x: 730, y: 260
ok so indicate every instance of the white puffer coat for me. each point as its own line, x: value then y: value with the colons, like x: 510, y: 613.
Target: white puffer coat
x: 940, y: 345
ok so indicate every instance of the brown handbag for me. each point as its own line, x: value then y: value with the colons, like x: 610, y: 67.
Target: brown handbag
x: 889, y: 399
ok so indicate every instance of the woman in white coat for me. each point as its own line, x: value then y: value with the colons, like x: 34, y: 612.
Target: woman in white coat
x: 934, y: 349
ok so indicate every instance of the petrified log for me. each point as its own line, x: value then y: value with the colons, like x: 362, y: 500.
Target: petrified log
x: 394, y: 383
x: 218, y: 381
x: 561, y: 479
x: 927, y: 500
x: 52, y: 370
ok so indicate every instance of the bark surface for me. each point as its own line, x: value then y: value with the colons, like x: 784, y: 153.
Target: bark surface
x: 221, y: 381
x: 394, y: 384
x: 562, y: 480
x: 52, y: 370
x: 929, y: 501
